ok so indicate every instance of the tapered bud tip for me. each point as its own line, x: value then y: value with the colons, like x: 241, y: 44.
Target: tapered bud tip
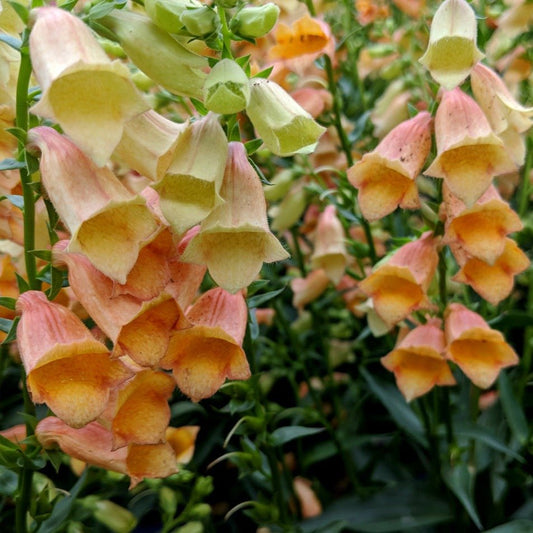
x: 255, y: 21
x: 226, y: 89
x: 199, y: 21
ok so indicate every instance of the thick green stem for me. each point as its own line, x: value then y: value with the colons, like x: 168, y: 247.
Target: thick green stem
x: 525, y: 190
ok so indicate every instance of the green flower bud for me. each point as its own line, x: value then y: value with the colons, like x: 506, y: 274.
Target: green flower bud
x: 113, y: 516
x: 255, y: 21
x: 201, y: 510
x: 191, y: 527
x: 168, y: 500
x: 199, y: 21
x: 166, y: 13
x: 227, y: 88
x: 285, y: 127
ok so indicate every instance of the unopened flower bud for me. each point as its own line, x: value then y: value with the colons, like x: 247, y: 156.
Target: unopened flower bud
x: 199, y: 21
x: 166, y: 13
x: 226, y: 89
x: 116, y: 518
x: 255, y: 21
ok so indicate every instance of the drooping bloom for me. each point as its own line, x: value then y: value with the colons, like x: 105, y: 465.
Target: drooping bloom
x: 108, y: 224
x: 479, y: 351
x: 308, y: 289
x: 89, y: 95
x: 235, y: 240
x: 494, y: 282
x: 204, y: 356
x: 469, y: 154
x: 398, y: 287
x: 386, y: 176
x: 418, y: 361
x: 330, y: 249
x: 452, y: 49
x: 285, y: 127
x: 66, y: 367
x: 190, y: 189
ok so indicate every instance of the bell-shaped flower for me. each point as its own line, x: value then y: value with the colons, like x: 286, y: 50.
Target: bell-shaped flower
x: 479, y: 231
x: 330, y: 248
x: 66, y: 367
x: 182, y: 440
x: 398, y: 287
x: 141, y: 412
x: 92, y: 444
x: 90, y: 96
x: 290, y: 209
x: 161, y: 57
x: 452, y: 50
x: 140, y: 329
x: 107, y: 223
x: 418, y: 361
x: 283, y: 125
x: 469, y: 154
x: 308, y: 289
x: 189, y: 191
x: 479, y: 351
x: 235, y: 240
x: 386, y: 176
x: 204, y: 356
x: 494, y: 282
x: 390, y: 109
x: 148, y: 144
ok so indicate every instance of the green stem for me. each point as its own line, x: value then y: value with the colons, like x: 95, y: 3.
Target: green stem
x: 526, y: 187
x: 23, y: 499
x: 226, y: 33
x: 527, y: 352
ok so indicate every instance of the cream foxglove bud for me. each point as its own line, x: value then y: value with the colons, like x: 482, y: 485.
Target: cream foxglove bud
x: 166, y: 13
x: 255, y: 21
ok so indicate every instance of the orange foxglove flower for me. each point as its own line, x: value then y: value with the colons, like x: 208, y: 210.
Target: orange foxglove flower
x: 235, y: 240
x: 479, y: 231
x: 330, y: 249
x: 108, y: 224
x: 398, y: 287
x: 469, y: 154
x: 413, y: 8
x: 308, y: 289
x: 494, y: 282
x: 418, y: 361
x: 452, y: 49
x: 204, y: 356
x: 90, y: 96
x: 182, y: 440
x: 310, y: 505
x: 386, y: 176
x: 66, y: 367
x: 142, y: 413
x: 479, y: 351
x: 189, y: 191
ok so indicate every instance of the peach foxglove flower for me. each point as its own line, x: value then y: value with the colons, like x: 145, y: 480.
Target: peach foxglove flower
x: 285, y: 127
x: 310, y: 505
x: 161, y: 57
x: 189, y: 191
x: 235, y: 240
x: 494, y: 282
x: 66, y: 367
x: 452, y: 49
x: 148, y: 144
x: 390, y: 109
x: 182, y: 440
x: 90, y: 96
x: 108, y: 223
x: 330, y: 249
x: 398, y: 287
x: 479, y: 351
x: 469, y: 154
x: 418, y: 361
x: 386, y: 176
x: 308, y: 289
x: 204, y: 356
x: 479, y: 231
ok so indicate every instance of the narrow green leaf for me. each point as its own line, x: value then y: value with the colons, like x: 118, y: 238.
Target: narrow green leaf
x: 16, y: 199
x: 516, y: 526
x: 22, y: 284
x: 264, y: 73
x: 56, y: 284
x: 199, y: 106
x: 397, y: 407
x: 11, y: 164
x: 253, y: 145
x: 286, y: 434
x: 11, y: 41
x: 12, y: 333
x: 8, y: 303
x: 22, y: 11
x: 45, y: 255
x: 5, y: 324
x: 513, y: 410
x: 259, y: 299
x: 19, y: 133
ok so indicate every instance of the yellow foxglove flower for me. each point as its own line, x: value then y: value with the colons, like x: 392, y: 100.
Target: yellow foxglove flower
x: 479, y: 351
x: 386, y: 176
x: 107, y: 223
x: 418, y: 361
x: 190, y: 189
x: 204, y: 356
x: 90, y: 96
x: 398, y: 287
x: 148, y: 144
x: 234, y: 240
x: 285, y: 127
x: 66, y: 367
x: 469, y: 154
x: 452, y: 50
x: 161, y: 57
x: 330, y: 248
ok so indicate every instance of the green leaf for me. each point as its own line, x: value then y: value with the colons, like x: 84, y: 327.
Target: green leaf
x: 259, y: 299
x: 513, y: 410
x: 8, y: 481
x: 16, y: 199
x: 8, y: 303
x: 286, y: 434
x: 45, y: 255
x: 22, y: 11
x: 22, y: 284
x: 19, y: 133
x: 56, y: 521
x: 397, y: 407
x: 56, y: 279
x: 199, y: 106
x: 516, y: 526
x: 253, y: 145
x: 100, y: 10
x: 264, y: 73
x: 461, y: 483
x: 512, y: 319
x: 11, y: 41
x: 12, y: 333
x: 6, y: 324
x: 11, y: 164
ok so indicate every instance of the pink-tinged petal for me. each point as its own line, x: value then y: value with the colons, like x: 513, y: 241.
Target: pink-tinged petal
x: 308, y: 289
